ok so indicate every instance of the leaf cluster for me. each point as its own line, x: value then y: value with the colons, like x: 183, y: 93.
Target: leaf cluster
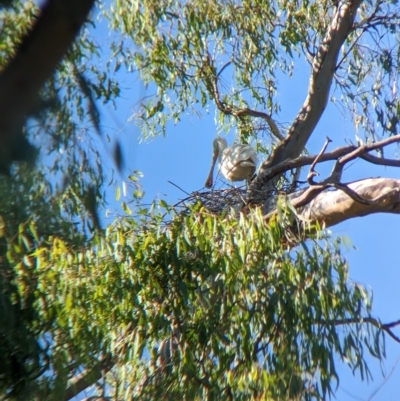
x: 245, y: 316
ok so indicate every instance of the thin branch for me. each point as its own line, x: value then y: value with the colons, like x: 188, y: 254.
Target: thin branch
x: 361, y: 150
x: 254, y: 113
x: 375, y: 392
x: 357, y: 152
x: 393, y: 324
x: 308, y: 195
x: 233, y: 111
x: 228, y: 63
x: 335, y: 154
x: 302, y: 161
x: 297, y: 202
x: 312, y: 173
x: 386, y: 327
x: 380, y: 160
x: 350, y: 48
x: 333, y: 181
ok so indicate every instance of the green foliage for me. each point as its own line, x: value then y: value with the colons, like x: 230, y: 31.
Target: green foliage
x: 185, y: 305
x: 193, y: 53
x: 249, y: 318
x: 25, y: 224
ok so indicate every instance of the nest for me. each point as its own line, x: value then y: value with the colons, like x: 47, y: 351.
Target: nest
x: 224, y: 199
x: 217, y: 201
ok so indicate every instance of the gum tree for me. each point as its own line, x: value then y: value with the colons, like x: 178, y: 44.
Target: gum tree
x: 199, y: 301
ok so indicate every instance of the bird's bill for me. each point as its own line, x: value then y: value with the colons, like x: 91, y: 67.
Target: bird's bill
x: 209, y: 180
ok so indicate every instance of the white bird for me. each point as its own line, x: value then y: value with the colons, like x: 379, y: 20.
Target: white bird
x: 236, y: 163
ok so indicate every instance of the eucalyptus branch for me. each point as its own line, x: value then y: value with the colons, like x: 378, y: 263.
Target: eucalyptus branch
x: 238, y: 112
x: 228, y: 63
x: 88, y: 377
x: 323, y: 68
x: 343, y: 155
x: 304, y: 199
x: 380, y: 160
x: 386, y: 327
x: 357, y: 152
x: 350, y: 49
x: 361, y: 152
x: 370, y: 18
x: 254, y: 113
x: 312, y: 173
x: 333, y: 181
x: 91, y: 375
x: 302, y: 161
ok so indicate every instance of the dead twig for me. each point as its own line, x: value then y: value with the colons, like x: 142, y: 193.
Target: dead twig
x: 312, y: 173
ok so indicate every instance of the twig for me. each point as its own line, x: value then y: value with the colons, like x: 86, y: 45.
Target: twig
x: 170, y: 182
x: 375, y: 392
x: 254, y: 113
x: 229, y: 110
x: 386, y: 327
x: 312, y: 173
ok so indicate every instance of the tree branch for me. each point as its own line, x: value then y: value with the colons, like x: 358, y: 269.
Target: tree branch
x: 88, y: 377
x: 302, y: 161
x: 234, y: 111
x: 312, y: 173
x: 343, y: 155
x: 384, y: 326
x: 33, y: 63
x: 323, y: 68
x: 312, y: 199
x: 254, y: 113
x: 381, y: 195
x: 380, y: 160
x: 361, y: 150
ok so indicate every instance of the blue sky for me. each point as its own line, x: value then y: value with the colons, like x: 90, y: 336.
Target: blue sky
x: 184, y: 155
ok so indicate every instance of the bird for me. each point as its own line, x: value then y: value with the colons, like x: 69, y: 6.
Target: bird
x: 236, y: 162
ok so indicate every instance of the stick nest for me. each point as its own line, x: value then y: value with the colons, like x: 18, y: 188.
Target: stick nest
x: 220, y: 200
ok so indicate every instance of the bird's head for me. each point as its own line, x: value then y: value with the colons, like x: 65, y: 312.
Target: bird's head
x: 219, y: 145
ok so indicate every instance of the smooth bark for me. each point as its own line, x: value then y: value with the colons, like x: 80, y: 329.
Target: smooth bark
x: 334, y: 207
x: 323, y: 69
